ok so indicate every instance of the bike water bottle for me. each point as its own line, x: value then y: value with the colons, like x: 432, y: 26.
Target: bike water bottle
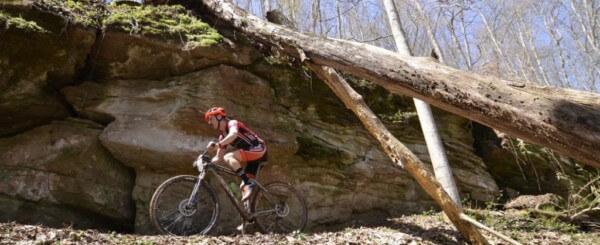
x: 233, y: 186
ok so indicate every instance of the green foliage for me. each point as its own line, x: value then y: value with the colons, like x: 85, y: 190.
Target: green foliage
x: 399, y: 116
x: 300, y: 235
x: 84, y: 12
x: 8, y: 21
x: 556, y: 225
x: 171, y: 22
x: 429, y: 212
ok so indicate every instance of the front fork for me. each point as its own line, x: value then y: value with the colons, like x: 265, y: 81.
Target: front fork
x: 192, y: 199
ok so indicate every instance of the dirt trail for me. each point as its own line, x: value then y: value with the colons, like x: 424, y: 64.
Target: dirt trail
x: 426, y: 228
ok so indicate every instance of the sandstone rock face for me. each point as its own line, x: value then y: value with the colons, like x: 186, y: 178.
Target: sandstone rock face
x: 123, y: 56
x: 61, y: 174
x: 32, y: 63
x: 313, y: 141
x: 527, y: 168
x: 149, y: 94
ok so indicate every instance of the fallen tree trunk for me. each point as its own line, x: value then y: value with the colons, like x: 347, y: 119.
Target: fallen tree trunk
x: 567, y: 121
x: 391, y: 145
x: 397, y: 151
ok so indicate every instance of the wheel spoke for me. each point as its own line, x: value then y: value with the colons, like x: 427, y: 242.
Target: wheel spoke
x: 264, y: 213
x: 270, y: 227
x: 169, y: 214
x: 173, y: 223
x: 279, y: 208
x: 165, y: 207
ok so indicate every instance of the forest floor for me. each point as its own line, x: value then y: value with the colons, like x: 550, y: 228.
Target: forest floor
x: 426, y: 228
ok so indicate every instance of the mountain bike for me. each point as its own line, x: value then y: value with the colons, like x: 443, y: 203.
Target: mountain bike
x: 187, y: 204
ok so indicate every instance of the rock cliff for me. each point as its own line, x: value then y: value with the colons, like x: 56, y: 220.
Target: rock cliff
x: 94, y: 117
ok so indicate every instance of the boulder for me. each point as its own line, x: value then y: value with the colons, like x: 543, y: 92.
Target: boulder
x: 314, y: 143
x: 533, y: 202
x: 121, y: 55
x: 60, y: 174
x: 37, y: 56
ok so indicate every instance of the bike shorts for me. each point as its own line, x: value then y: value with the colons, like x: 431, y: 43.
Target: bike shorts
x: 253, y: 158
x: 253, y: 154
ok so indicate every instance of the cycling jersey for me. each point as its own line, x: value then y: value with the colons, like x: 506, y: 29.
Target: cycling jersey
x: 251, y: 147
x: 246, y: 139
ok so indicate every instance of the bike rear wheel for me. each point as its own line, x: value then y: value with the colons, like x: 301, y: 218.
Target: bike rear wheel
x: 171, y: 213
x: 279, y: 208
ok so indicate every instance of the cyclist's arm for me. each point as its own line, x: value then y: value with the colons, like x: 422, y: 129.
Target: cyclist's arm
x: 233, y: 133
x: 221, y: 153
x: 219, y: 156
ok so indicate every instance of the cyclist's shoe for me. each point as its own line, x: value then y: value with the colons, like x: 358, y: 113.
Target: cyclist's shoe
x: 247, y: 191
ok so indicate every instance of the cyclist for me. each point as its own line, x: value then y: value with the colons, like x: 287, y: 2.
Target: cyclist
x: 249, y: 148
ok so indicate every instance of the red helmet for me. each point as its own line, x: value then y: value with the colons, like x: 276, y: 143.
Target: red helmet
x: 214, y: 111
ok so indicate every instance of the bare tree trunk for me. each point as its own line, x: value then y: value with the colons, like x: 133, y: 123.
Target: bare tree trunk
x: 499, y: 52
x: 537, y: 58
x: 429, y: 31
x: 439, y: 160
x: 465, y: 41
x: 556, y: 41
x: 541, y: 115
x: 397, y: 151
x: 587, y: 33
x: 267, y: 7
x: 394, y: 21
x: 523, y: 45
x: 316, y: 16
x: 339, y: 20
x: 450, y: 25
x: 522, y: 68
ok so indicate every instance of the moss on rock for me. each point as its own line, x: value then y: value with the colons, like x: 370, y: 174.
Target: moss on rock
x: 8, y: 21
x: 170, y: 22
x: 88, y: 13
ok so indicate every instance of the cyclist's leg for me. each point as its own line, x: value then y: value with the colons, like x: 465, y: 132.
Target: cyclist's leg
x: 251, y: 156
x: 234, y: 160
x: 253, y: 166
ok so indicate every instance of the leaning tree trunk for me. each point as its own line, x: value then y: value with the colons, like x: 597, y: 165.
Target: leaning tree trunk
x: 398, y: 152
x: 439, y: 160
x: 542, y: 115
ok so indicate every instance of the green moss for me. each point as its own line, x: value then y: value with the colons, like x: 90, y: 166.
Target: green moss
x: 171, y: 22
x: 88, y: 13
x: 8, y: 21
x: 398, y: 116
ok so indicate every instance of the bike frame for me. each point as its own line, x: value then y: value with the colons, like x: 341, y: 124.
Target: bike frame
x: 206, y: 166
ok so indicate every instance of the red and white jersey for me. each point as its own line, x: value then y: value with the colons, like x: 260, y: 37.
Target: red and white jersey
x: 246, y: 139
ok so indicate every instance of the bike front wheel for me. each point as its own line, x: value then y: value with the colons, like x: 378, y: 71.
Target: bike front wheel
x: 279, y: 208
x: 172, y: 213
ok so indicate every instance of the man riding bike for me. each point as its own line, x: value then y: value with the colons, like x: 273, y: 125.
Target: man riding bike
x: 249, y: 148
